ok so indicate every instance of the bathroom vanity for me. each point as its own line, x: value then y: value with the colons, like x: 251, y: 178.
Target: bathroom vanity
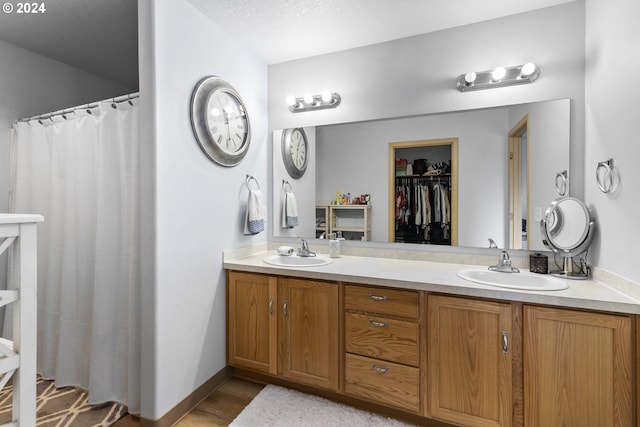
x: 413, y: 339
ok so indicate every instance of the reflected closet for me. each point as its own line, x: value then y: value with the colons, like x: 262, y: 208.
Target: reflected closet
x: 423, y: 201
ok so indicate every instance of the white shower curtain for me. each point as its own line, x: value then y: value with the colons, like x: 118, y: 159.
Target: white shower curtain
x: 83, y: 174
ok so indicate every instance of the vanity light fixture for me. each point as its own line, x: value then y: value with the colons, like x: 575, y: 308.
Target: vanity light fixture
x: 500, y: 76
x: 310, y: 102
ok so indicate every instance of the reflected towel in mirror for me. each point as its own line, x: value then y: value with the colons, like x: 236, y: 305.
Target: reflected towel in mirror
x: 289, y: 210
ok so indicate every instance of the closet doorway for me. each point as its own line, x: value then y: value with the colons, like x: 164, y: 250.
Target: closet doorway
x: 423, y: 191
x: 519, y: 185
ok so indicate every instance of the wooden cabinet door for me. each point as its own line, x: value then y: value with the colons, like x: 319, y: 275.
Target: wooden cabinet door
x: 252, y: 321
x: 469, y: 361
x: 577, y: 369
x: 309, y: 345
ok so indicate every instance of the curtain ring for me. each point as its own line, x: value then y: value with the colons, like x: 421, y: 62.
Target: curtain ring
x: 562, y: 186
x: 605, y: 179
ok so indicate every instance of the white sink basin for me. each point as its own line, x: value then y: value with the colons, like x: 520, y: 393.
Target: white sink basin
x: 523, y: 280
x: 297, y: 261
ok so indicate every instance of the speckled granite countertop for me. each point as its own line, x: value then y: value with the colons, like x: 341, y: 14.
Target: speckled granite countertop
x: 441, y: 277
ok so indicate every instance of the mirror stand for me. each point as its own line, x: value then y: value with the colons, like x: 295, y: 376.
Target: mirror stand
x: 573, y: 270
x: 568, y: 230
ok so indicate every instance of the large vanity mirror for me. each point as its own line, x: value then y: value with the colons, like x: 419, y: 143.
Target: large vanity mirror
x: 353, y: 158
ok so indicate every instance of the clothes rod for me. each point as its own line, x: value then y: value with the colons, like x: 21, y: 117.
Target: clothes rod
x: 112, y: 101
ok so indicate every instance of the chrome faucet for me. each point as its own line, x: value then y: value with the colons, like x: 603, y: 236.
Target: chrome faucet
x: 504, y: 264
x: 304, y: 249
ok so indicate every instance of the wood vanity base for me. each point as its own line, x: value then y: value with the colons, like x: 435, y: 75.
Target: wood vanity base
x: 434, y: 359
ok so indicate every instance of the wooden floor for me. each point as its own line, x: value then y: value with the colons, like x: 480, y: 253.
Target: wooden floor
x: 217, y: 410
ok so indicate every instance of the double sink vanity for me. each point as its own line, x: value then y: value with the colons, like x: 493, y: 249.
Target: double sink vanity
x: 436, y: 343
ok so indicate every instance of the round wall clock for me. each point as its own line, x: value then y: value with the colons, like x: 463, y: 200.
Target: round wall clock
x: 295, y: 151
x: 220, y: 121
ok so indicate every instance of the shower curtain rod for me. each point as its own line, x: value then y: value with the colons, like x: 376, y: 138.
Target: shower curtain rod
x: 88, y: 107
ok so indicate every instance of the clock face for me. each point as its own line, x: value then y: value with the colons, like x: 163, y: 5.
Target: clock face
x: 220, y: 121
x: 295, y: 151
x: 226, y: 121
x: 298, y: 149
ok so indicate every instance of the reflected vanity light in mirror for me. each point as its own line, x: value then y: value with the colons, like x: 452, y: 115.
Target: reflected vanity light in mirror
x: 310, y: 102
x: 498, y: 77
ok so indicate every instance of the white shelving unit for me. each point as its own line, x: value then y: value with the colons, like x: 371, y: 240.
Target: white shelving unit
x: 354, y: 221
x: 322, y: 220
x: 18, y: 356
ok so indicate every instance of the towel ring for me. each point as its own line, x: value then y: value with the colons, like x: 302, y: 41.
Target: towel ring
x: 286, y: 183
x: 251, y: 178
x: 562, y: 186
x: 605, y: 180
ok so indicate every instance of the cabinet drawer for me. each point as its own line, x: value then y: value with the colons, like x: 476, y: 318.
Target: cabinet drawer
x: 385, y: 382
x: 382, y: 300
x: 382, y: 338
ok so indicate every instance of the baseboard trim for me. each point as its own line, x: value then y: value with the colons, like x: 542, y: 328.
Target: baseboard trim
x: 190, y: 402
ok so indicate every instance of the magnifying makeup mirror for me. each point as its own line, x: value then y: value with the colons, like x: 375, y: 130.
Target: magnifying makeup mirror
x: 568, y: 230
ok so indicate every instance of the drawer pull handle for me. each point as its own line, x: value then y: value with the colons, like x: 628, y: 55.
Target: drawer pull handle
x: 505, y: 342
x: 377, y: 297
x: 285, y: 308
x: 379, y: 370
x: 271, y: 307
x: 378, y: 324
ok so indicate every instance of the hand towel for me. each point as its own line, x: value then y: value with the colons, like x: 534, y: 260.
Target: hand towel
x: 289, y: 210
x: 285, y: 250
x: 256, y: 213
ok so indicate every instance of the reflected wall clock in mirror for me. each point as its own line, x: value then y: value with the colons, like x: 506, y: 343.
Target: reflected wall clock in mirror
x: 295, y: 151
x: 220, y: 121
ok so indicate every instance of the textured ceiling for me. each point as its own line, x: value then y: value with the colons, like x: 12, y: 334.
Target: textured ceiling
x: 100, y: 36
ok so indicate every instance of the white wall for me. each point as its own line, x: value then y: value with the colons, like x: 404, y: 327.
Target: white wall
x: 32, y: 84
x: 199, y: 205
x: 612, y: 112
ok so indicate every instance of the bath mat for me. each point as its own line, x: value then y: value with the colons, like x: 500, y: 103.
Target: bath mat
x: 63, y: 407
x: 280, y: 407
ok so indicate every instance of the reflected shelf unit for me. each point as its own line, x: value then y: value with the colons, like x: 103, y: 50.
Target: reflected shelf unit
x: 354, y: 221
x: 322, y: 220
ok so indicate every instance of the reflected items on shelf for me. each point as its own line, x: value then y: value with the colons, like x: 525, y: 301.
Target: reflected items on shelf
x: 423, y: 209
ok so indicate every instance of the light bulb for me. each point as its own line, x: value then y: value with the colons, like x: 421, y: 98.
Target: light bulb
x: 528, y: 69
x: 498, y: 73
x: 291, y: 100
x: 308, y: 99
x: 326, y: 97
x: 470, y: 77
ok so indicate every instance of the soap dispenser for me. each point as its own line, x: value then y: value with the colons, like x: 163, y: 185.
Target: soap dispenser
x: 334, y: 246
